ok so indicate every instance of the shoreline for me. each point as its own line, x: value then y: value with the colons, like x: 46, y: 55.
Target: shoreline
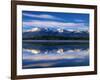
x: 79, y: 41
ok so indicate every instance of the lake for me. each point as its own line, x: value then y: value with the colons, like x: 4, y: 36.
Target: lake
x: 56, y: 54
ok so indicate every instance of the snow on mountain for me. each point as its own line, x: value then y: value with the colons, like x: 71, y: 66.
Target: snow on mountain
x: 33, y: 30
x: 77, y: 31
x: 36, y: 31
x: 60, y: 30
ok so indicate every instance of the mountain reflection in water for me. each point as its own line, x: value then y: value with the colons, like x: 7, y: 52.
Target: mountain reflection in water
x: 45, y: 55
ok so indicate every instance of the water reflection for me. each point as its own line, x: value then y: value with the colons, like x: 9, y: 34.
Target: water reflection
x: 44, y: 55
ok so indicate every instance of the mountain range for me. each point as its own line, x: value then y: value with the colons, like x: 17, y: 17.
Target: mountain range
x: 48, y: 33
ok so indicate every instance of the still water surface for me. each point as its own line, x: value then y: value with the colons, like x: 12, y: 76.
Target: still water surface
x: 47, y: 55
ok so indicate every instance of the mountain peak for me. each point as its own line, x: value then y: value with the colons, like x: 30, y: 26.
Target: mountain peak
x: 60, y: 30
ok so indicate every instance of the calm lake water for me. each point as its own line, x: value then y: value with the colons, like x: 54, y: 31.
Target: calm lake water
x: 47, y: 55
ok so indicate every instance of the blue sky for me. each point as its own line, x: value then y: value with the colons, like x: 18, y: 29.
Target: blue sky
x: 54, y: 20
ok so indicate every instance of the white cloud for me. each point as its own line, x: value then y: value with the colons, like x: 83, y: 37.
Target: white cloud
x: 77, y: 54
x: 74, y: 54
x: 78, y: 20
x: 40, y: 64
x: 54, y: 24
x: 45, y: 16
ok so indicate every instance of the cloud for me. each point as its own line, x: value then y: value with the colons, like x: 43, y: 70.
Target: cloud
x: 78, y: 20
x: 54, y: 24
x: 44, y: 16
x: 76, y: 55
x: 40, y: 65
x: 51, y: 23
x: 66, y: 55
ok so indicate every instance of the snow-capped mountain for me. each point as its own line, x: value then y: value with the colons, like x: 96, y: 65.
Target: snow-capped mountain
x: 54, y: 32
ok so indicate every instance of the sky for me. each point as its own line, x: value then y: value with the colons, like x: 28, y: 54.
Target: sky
x: 33, y: 20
